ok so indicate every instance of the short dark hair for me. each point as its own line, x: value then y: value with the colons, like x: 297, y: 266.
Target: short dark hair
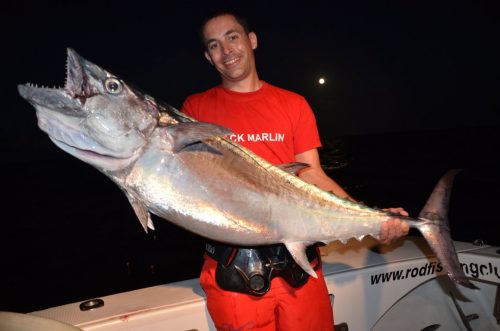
x: 222, y: 12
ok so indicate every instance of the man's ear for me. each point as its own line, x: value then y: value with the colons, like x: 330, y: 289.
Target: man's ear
x: 253, y: 39
x: 209, y: 59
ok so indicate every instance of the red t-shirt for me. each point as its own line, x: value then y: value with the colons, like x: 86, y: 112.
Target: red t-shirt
x: 274, y: 123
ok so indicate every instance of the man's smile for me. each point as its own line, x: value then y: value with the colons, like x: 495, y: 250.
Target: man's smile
x: 231, y: 61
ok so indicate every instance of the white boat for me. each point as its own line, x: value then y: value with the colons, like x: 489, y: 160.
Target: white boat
x: 372, y: 287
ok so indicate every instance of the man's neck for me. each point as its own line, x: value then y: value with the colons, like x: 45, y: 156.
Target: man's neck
x: 250, y: 84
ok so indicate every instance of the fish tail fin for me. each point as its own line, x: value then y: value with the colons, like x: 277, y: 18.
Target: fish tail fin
x: 435, y: 228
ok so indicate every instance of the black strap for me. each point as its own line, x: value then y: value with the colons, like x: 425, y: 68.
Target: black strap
x: 219, y: 252
x: 223, y: 253
x: 250, y: 269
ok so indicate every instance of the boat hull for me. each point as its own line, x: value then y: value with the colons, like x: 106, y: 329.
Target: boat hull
x: 372, y: 287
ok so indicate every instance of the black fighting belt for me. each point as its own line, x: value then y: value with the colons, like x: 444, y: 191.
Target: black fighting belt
x: 250, y: 270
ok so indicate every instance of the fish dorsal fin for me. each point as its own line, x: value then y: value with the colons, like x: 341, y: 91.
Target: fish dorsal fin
x: 182, y: 135
x: 298, y: 252
x: 141, y: 211
x: 293, y: 167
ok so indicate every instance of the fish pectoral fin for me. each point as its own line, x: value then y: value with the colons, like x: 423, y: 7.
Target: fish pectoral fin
x: 298, y: 252
x: 182, y: 135
x: 202, y: 147
x: 293, y: 167
x: 142, y: 212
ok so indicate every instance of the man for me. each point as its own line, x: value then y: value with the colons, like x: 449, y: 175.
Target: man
x: 279, y: 126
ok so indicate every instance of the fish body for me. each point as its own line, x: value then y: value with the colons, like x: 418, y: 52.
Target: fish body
x: 189, y: 173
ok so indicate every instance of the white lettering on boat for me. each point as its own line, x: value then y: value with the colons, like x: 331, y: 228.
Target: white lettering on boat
x: 471, y: 269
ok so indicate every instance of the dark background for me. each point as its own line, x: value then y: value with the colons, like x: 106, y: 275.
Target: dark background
x: 411, y: 91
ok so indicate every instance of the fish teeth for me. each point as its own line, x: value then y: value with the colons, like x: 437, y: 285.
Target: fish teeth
x: 67, y: 74
x: 33, y: 85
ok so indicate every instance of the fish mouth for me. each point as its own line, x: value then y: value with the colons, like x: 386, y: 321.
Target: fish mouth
x: 69, y: 99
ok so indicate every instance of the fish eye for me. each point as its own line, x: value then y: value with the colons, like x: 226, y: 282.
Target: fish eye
x: 113, y: 85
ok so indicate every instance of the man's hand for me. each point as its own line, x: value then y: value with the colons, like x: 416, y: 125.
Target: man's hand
x: 393, y: 228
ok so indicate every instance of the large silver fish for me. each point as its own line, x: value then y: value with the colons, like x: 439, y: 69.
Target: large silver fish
x: 188, y: 173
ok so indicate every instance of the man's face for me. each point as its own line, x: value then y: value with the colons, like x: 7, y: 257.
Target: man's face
x: 229, y: 49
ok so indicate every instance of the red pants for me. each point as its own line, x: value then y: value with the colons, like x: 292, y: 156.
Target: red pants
x: 282, y: 308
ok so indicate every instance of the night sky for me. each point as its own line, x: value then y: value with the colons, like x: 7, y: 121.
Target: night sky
x: 390, y: 67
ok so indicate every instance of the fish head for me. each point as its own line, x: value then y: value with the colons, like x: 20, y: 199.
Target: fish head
x: 96, y: 116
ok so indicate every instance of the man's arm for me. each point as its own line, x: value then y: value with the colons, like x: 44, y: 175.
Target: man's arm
x: 389, y: 231
x: 315, y: 174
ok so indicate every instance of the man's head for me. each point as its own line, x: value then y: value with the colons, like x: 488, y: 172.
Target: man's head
x: 239, y: 18
x: 229, y: 46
